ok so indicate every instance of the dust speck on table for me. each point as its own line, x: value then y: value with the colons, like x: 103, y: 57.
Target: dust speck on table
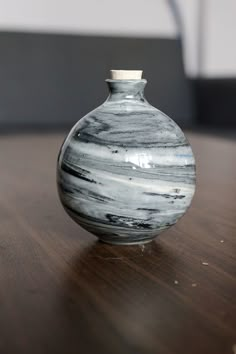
x: 142, y: 247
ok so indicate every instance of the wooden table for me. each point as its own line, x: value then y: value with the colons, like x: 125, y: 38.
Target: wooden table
x: 61, y: 291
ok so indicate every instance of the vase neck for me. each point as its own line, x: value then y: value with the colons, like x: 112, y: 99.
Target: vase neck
x: 126, y: 90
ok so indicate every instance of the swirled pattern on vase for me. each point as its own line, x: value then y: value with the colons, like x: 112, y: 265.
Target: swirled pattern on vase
x: 126, y: 171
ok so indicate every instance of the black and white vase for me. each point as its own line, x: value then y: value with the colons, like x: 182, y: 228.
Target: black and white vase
x: 126, y: 172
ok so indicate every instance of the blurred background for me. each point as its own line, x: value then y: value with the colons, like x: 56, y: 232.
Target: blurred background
x: 55, y: 55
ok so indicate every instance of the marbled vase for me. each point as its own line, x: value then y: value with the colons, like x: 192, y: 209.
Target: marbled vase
x: 126, y: 172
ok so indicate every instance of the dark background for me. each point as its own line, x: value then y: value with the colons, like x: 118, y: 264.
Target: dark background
x: 50, y: 80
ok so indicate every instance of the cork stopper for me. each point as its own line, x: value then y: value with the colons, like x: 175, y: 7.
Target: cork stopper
x: 126, y: 74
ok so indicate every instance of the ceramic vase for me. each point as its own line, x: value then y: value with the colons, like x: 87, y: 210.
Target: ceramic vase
x: 126, y: 171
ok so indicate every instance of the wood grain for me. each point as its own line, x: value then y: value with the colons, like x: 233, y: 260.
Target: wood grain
x: 61, y: 291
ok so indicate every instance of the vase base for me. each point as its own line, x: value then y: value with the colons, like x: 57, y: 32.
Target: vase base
x: 120, y: 243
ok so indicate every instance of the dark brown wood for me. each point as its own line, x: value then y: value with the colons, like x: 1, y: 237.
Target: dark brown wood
x: 61, y: 291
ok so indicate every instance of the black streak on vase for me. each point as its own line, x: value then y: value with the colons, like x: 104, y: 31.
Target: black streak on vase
x: 124, y: 221
x: 167, y: 196
x: 77, y: 174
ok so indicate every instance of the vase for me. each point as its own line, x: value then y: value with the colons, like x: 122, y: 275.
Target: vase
x: 126, y: 171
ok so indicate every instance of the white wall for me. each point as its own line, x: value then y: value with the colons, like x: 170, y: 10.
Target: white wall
x: 220, y: 39
x: 138, y: 18
x: 209, y: 29
x: 126, y: 17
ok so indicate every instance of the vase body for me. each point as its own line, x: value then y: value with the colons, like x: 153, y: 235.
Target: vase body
x: 126, y: 172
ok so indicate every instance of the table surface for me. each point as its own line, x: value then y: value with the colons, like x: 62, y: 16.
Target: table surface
x: 62, y: 291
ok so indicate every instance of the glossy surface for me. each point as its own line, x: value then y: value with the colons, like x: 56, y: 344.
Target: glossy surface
x: 126, y: 171
x: 63, y: 292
